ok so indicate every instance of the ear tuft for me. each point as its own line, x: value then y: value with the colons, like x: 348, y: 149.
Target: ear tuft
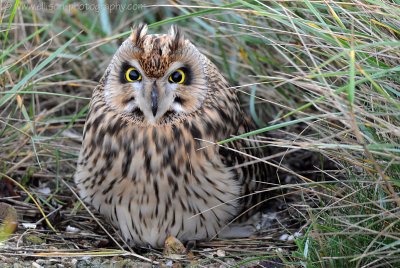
x: 138, y: 34
x: 177, y: 38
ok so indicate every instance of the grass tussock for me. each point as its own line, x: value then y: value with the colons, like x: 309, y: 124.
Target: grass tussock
x: 320, y: 78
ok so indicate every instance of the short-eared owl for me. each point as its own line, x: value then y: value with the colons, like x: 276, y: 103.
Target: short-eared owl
x: 146, y: 161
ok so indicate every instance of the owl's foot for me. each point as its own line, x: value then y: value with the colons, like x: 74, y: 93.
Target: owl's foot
x: 242, y: 229
x: 237, y: 231
x: 253, y: 225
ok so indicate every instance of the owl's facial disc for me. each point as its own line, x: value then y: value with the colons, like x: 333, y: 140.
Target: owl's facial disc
x: 156, y: 78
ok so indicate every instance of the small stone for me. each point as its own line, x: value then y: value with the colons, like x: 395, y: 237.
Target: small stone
x: 72, y: 230
x: 36, y: 265
x: 44, y: 190
x: 40, y: 261
x: 284, y: 237
x: 28, y: 225
x: 298, y: 234
x: 221, y: 253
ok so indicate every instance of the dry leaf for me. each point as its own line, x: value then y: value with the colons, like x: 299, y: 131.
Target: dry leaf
x: 8, y: 216
x: 173, y: 248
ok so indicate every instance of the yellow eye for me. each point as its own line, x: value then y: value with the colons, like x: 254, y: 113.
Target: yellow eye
x: 177, y: 77
x: 132, y: 75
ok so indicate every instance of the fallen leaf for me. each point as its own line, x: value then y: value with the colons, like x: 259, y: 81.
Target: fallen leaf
x: 173, y: 248
x: 8, y: 215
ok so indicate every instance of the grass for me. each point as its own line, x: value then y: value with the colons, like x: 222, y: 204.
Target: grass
x: 318, y: 78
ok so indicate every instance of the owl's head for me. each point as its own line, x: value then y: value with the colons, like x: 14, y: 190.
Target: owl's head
x: 156, y: 77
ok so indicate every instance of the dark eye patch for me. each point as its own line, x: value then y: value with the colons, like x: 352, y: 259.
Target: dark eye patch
x: 124, y: 67
x: 178, y: 100
x: 188, y: 74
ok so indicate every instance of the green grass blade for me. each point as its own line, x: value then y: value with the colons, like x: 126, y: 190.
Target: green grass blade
x: 7, y: 52
x: 11, y: 19
x: 276, y: 126
x: 36, y: 70
x: 351, y: 87
x: 180, y: 18
x: 104, y: 18
x: 342, y: 89
x: 47, y: 93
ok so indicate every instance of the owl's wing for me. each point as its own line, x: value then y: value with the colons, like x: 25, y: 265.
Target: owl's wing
x: 241, y: 155
x: 244, y: 156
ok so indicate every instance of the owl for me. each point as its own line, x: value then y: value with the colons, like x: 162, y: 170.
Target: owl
x: 149, y: 161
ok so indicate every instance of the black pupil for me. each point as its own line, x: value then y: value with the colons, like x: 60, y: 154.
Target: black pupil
x: 176, y: 77
x: 134, y: 75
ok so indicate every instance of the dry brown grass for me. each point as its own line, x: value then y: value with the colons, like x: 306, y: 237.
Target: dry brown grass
x: 323, y: 76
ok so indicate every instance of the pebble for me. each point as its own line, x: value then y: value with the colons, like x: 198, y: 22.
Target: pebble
x: 287, y: 237
x: 221, y: 253
x: 298, y: 234
x: 284, y: 237
x: 28, y: 225
x: 36, y: 265
x: 72, y: 229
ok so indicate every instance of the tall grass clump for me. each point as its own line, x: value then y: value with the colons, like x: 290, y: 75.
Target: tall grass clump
x: 335, y: 66
x: 317, y: 77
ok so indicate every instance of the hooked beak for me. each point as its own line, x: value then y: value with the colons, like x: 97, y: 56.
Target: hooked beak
x: 154, y: 99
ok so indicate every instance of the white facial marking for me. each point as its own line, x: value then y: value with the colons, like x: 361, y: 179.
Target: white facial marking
x: 176, y: 107
x: 130, y: 107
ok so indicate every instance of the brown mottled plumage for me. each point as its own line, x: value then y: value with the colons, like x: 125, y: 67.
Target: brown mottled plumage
x: 144, y: 162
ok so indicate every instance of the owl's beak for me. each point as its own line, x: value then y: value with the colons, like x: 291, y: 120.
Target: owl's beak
x: 154, y: 99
